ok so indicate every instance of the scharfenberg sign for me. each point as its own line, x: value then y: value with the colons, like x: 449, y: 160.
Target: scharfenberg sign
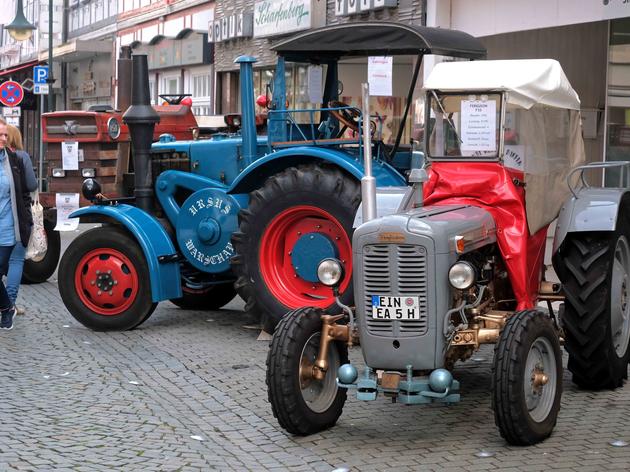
x: 354, y: 7
x: 274, y: 17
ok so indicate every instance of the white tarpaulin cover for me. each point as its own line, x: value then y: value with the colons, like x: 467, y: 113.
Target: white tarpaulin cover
x: 527, y: 81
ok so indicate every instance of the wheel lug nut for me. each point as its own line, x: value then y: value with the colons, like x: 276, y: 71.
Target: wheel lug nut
x: 92, y: 282
x: 115, y: 282
x: 111, y: 293
x: 99, y: 293
x: 109, y: 271
x: 98, y: 272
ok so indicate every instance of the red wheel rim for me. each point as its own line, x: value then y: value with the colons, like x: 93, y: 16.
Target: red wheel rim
x: 275, y: 260
x: 106, y: 281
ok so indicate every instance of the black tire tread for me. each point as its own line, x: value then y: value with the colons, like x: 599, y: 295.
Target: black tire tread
x: 280, y: 379
x: 508, y: 414
x: 40, y: 272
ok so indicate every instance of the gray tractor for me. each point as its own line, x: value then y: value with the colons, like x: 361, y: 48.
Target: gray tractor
x: 459, y: 263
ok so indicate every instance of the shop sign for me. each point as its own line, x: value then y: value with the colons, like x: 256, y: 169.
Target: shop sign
x: 354, y: 7
x: 274, y: 17
x: 231, y: 27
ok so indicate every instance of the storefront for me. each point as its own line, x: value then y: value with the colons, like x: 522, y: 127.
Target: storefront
x: 179, y: 55
x: 238, y: 28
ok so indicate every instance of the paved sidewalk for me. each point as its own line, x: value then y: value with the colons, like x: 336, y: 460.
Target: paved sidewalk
x: 73, y: 399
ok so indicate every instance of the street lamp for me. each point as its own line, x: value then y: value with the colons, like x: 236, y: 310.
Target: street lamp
x: 20, y: 29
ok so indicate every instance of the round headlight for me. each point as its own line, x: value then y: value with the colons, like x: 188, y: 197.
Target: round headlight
x: 330, y: 272
x: 113, y: 128
x: 461, y: 275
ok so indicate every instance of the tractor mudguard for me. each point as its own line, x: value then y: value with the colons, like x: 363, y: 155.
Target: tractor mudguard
x: 253, y: 176
x: 594, y: 209
x: 154, y: 241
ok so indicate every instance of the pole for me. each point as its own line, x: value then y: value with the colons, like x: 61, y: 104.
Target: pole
x: 51, y: 81
x: 368, y: 182
x: 40, y: 174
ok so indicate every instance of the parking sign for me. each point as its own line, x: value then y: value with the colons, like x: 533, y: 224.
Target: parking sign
x: 40, y: 74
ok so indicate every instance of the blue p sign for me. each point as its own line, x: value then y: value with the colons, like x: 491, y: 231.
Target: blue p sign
x: 40, y: 74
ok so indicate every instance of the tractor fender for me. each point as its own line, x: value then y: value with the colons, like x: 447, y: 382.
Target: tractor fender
x: 155, y: 244
x: 594, y: 209
x: 256, y: 173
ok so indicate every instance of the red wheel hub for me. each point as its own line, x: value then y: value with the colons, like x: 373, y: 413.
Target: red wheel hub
x: 276, y: 245
x: 106, y: 281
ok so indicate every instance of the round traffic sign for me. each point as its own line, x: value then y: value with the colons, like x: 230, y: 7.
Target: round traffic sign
x: 11, y: 93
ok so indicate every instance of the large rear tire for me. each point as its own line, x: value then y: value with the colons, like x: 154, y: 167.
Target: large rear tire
x: 595, y: 273
x: 527, y: 378
x: 37, y: 272
x: 309, y: 200
x: 104, y: 280
x: 211, y: 298
x: 302, y: 404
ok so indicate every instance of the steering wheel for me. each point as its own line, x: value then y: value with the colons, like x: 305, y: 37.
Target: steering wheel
x: 348, y: 117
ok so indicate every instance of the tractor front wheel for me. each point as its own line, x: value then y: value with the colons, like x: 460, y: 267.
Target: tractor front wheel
x: 595, y: 273
x: 104, y: 280
x: 297, y: 218
x: 527, y: 378
x: 302, y: 404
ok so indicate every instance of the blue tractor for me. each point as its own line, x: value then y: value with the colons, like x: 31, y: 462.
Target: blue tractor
x: 248, y: 214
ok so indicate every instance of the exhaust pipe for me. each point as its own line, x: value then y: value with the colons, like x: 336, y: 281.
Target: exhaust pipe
x: 141, y: 119
x: 248, y: 120
x: 368, y: 182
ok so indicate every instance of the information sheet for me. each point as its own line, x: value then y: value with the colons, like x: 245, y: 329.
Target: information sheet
x: 380, y: 76
x: 315, y: 92
x: 479, y: 127
x: 66, y: 203
x: 70, y: 155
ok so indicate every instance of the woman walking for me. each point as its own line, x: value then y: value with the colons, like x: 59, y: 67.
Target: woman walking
x: 16, y: 261
x: 15, y: 216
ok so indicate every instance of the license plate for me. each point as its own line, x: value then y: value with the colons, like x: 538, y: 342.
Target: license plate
x: 395, y: 308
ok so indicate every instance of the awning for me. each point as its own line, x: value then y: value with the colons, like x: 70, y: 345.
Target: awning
x: 19, y: 67
x: 77, y: 50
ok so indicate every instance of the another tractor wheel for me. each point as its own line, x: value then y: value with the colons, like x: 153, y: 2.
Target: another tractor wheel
x: 302, y: 404
x: 39, y: 271
x: 527, y: 378
x: 595, y: 273
x: 104, y: 280
x: 297, y: 218
x: 211, y: 298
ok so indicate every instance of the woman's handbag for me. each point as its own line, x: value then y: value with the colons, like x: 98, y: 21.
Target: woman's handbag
x: 38, y: 242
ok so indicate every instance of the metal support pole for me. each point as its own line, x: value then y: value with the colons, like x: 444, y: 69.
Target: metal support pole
x: 51, y: 81
x: 368, y: 182
x: 40, y: 174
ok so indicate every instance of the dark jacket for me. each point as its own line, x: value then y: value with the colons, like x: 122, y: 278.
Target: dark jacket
x: 22, y: 196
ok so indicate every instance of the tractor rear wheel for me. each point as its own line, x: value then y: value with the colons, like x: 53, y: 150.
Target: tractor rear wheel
x: 104, y: 280
x: 294, y: 220
x: 527, y: 378
x: 39, y: 271
x: 302, y: 404
x: 210, y: 298
x: 595, y: 273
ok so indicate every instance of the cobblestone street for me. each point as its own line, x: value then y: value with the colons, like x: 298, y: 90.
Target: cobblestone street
x: 78, y: 400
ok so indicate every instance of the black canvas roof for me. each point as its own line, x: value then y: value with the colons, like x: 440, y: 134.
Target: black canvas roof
x: 378, y: 38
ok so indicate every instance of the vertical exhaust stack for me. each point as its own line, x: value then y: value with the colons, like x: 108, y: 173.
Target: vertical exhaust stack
x: 368, y: 182
x: 123, y: 100
x: 248, y: 120
x: 141, y: 119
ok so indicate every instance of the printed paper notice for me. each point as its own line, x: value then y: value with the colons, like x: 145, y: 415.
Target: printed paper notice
x: 66, y: 203
x: 70, y: 155
x: 479, y: 131
x: 380, y: 76
x: 315, y: 92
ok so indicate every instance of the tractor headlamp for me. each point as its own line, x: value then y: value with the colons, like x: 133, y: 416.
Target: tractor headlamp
x: 330, y: 272
x: 113, y: 128
x: 462, y: 275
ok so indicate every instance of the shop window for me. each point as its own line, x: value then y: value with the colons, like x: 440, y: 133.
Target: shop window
x: 201, y: 92
x: 170, y: 85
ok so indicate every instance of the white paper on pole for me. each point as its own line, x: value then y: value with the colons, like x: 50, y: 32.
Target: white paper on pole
x: 70, y: 155
x: 479, y: 131
x: 81, y: 155
x: 315, y: 92
x: 380, y: 75
x: 66, y: 203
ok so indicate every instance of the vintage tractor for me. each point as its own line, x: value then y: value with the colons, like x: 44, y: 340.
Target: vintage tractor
x: 460, y: 264
x: 104, y: 145
x: 259, y: 210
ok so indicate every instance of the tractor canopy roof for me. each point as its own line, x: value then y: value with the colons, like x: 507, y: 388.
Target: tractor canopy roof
x: 528, y: 82
x: 378, y: 38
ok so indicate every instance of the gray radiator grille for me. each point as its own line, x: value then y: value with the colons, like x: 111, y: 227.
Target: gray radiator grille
x: 394, y: 270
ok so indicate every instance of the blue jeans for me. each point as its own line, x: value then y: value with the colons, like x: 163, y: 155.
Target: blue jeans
x: 5, y: 254
x: 14, y: 276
